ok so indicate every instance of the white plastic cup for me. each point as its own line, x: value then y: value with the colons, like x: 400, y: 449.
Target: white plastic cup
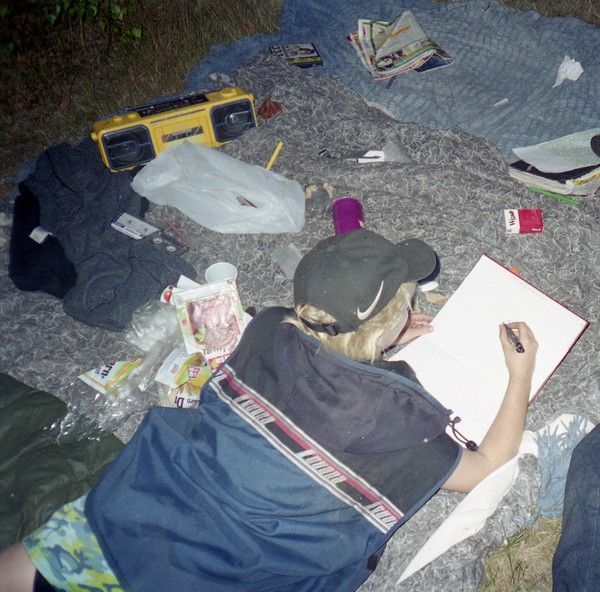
x: 220, y: 272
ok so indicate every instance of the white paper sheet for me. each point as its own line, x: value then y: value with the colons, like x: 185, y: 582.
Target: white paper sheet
x: 562, y: 154
x: 461, y: 362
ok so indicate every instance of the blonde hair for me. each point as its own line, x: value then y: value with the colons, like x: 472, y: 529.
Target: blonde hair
x: 362, y: 344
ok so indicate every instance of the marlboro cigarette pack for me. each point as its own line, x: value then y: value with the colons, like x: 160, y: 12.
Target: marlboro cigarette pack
x: 523, y: 221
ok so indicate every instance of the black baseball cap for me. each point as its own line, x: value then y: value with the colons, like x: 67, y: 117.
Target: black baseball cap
x: 352, y: 276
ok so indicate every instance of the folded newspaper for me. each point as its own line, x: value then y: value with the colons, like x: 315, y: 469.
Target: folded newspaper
x: 569, y: 165
x: 388, y: 49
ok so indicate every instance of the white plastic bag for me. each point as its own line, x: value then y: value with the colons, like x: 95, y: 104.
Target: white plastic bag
x: 221, y: 192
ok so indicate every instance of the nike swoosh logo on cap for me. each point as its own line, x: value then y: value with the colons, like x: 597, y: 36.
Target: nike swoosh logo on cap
x: 367, y: 313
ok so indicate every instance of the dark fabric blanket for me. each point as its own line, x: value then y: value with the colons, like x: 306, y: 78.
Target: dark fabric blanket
x: 78, y: 199
x: 40, y: 470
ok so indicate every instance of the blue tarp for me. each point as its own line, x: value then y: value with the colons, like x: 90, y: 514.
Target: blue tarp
x: 500, y: 52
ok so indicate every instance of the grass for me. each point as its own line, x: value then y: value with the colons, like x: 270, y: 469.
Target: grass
x: 524, y: 563
x: 54, y: 87
x: 586, y: 10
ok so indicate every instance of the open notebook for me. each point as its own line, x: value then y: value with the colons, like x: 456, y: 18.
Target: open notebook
x: 461, y: 362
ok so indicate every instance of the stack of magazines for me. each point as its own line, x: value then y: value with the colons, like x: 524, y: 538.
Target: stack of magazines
x: 388, y: 49
x: 569, y: 165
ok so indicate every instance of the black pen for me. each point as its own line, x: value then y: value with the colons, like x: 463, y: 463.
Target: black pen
x: 514, y: 339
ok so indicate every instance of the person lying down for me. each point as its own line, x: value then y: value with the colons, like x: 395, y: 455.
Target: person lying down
x: 307, y: 453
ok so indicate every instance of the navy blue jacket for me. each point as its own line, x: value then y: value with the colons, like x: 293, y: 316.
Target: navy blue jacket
x: 291, y: 475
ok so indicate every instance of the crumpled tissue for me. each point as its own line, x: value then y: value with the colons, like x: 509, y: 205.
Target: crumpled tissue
x: 569, y: 69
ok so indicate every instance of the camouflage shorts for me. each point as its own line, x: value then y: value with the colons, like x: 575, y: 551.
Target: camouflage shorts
x: 66, y: 552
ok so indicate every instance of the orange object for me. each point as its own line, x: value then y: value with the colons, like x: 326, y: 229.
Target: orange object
x: 269, y: 109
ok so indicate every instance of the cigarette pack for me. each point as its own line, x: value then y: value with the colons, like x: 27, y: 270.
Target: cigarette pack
x: 132, y: 226
x: 523, y: 221
x: 303, y: 55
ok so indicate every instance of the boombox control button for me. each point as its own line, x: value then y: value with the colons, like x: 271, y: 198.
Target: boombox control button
x: 228, y: 92
x: 117, y: 118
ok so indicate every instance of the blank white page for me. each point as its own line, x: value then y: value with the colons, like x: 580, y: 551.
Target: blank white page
x: 461, y: 361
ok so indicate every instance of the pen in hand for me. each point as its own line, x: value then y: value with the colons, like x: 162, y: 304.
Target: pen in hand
x: 514, y: 339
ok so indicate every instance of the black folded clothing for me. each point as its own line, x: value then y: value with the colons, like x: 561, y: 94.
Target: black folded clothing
x: 36, y: 266
x: 102, y: 275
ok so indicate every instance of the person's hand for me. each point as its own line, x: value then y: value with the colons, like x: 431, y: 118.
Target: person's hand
x: 418, y: 324
x: 520, y: 365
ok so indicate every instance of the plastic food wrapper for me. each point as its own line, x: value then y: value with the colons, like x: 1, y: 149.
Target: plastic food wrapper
x: 168, y: 373
x: 124, y: 388
x: 151, y: 323
x: 211, y: 319
x: 222, y: 192
x: 141, y: 380
x: 183, y: 375
x: 106, y: 378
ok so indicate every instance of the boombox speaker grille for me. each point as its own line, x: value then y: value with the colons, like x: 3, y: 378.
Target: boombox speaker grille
x: 231, y: 120
x: 128, y: 147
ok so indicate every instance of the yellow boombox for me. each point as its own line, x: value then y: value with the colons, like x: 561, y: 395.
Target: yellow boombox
x: 138, y: 135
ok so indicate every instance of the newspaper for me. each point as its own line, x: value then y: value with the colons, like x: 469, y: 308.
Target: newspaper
x: 569, y: 165
x: 388, y: 49
x: 563, y: 154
